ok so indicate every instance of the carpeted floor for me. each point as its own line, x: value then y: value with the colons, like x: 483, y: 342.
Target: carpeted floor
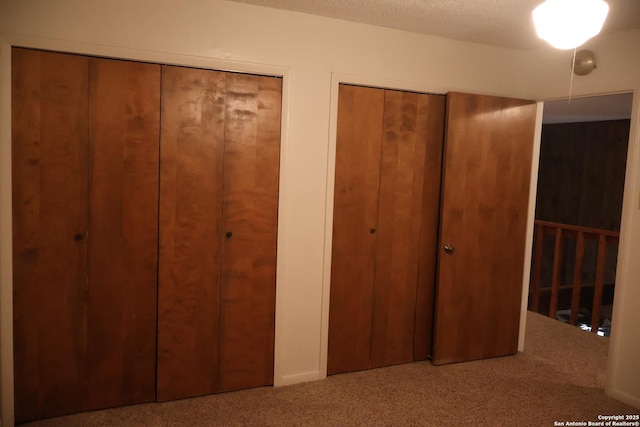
x: 559, y: 377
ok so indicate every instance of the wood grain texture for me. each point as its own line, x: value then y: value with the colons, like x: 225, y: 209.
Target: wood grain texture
x: 192, y: 143
x: 487, y: 163
x: 399, y: 221
x: 577, y: 279
x: 582, y: 170
x: 578, y: 295
x: 49, y: 166
x: 425, y: 294
x: 534, y: 301
x: 599, y: 284
x: 581, y: 182
x: 555, y: 281
x: 124, y: 143
x: 250, y: 213
x: 357, y: 181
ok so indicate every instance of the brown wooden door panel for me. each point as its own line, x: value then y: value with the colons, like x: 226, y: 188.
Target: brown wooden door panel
x: 250, y: 219
x: 488, y: 153
x: 425, y: 293
x: 49, y: 166
x: 399, y: 219
x: 355, y: 207
x: 124, y: 102
x: 193, y: 108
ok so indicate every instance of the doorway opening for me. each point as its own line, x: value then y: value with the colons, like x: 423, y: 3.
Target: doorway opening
x: 583, y: 156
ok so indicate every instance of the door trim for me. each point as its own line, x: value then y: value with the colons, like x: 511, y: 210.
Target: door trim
x: 528, y: 248
x: 625, y: 300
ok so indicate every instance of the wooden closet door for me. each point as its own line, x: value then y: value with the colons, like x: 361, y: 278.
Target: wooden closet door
x: 404, y: 146
x: 489, y: 143
x: 49, y: 165
x: 124, y: 102
x: 355, y: 218
x: 193, y: 108
x: 250, y: 224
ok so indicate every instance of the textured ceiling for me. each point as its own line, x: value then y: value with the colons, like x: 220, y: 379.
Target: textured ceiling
x: 505, y: 23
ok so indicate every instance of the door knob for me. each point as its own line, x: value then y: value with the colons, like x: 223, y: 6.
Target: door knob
x: 372, y: 231
x: 449, y: 249
x: 78, y: 237
x: 228, y: 234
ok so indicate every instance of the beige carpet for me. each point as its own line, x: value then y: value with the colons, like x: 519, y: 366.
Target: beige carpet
x: 559, y: 377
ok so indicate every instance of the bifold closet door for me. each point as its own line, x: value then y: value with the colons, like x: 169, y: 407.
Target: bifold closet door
x: 488, y: 151
x: 384, y: 218
x: 250, y: 223
x: 409, y: 134
x: 218, y: 227
x: 355, y: 218
x: 124, y: 124
x: 193, y: 112
x: 50, y: 190
x: 85, y: 206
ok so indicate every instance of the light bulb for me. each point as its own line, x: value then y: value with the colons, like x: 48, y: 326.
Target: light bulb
x: 567, y: 24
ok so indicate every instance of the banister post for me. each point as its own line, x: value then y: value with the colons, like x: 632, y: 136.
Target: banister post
x: 555, y: 279
x: 599, y: 285
x: 537, y: 268
x: 577, y: 279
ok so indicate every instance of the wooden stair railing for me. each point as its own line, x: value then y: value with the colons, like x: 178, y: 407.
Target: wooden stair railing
x: 559, y: 231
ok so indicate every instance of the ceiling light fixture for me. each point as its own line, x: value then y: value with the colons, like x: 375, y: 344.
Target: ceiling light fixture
x: 567, y: 24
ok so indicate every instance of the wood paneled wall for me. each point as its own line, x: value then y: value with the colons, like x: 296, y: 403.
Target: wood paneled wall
x: 581, y: 176
x: 581, y: 182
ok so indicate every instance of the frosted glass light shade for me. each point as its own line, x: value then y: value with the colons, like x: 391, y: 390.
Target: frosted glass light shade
x: 566, y: 24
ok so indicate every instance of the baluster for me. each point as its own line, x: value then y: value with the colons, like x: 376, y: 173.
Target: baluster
x: 555, y: 280
x: 537, y: 268
x: 577, y: 278
x: 599, y: 286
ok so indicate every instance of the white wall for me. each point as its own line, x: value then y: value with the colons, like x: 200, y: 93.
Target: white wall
x: 307, y: 51
x: 618, y: 70
x: 623, y: 375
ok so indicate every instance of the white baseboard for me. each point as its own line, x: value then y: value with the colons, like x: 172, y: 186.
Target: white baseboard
x: 298, y: 378
x: 624, y: 398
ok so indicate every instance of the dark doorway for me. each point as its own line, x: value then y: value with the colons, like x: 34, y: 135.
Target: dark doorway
x: 579, y: 202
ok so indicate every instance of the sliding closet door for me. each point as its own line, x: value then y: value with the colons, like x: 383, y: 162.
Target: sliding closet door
x: 49, y: 165
x: 250, y: 224
x: 488, y: 151
x: 124, y: 103
x: 404, y: 146
x: 193, y: 108
x: 357, y: 184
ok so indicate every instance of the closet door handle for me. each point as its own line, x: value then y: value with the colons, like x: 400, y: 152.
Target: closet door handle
x: 449, y: 249
x: 228, y: 234
x: 372, y: 231
x: 78, y: 237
